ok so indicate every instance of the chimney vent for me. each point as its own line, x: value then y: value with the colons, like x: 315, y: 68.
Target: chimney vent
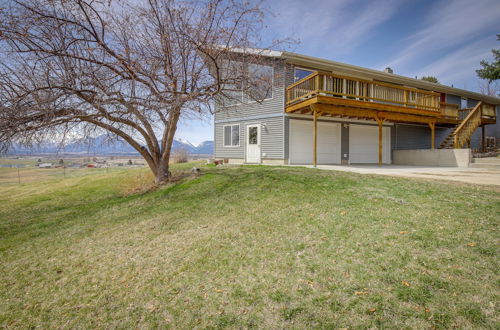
x: 388, y: 70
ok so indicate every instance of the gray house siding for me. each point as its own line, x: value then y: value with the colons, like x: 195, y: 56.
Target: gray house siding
x: 272, y: 137
x: 494, y: 129
x: 471, y: 103
x: 407, y: 137
x: 289, y: 74
x: 228, y: 152
x: 454, y: 99
x: 344, y: 144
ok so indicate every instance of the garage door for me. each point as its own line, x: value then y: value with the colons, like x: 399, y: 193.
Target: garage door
x: 363, y: 144
x: 301, y: 142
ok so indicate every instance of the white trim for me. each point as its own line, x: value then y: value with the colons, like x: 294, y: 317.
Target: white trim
x: 272, y: 115
x: 224, y: 136
x: 234, y: 105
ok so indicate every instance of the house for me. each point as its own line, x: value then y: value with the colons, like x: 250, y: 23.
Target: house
x: 324, y: 112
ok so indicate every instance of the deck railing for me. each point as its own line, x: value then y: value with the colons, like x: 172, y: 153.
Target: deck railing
x: 450, y: 110
x: 328, y: 84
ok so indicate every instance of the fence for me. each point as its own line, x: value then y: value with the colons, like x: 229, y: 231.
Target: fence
x: 27, y: 173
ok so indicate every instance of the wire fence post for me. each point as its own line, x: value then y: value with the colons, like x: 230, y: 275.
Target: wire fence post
x: 18, y: 175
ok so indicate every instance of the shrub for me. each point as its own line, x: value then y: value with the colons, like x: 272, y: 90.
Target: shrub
x: 179, y: 156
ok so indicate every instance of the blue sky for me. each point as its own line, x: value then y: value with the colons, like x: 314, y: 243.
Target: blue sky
x: 442, y: 38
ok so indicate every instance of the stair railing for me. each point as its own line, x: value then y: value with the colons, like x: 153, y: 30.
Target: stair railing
x: 464, y: 131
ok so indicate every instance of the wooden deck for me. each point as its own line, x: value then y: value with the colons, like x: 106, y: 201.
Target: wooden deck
x: 327, y: 94
x: 336, y: 95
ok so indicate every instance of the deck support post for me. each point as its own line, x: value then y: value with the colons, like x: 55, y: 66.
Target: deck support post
x: 432, y: 125
x: 483, y: 139
x: 380, y: 122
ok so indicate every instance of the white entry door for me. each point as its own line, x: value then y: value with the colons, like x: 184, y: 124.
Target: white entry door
x: 302, y: 142
x: 363, y: 144
x: 253, y: 144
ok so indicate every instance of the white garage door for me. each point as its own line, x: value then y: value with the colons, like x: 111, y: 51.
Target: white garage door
x: 301, y: 142
x: 363, y: 144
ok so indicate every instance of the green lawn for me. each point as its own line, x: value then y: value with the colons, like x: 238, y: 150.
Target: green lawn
x: 263, y: 247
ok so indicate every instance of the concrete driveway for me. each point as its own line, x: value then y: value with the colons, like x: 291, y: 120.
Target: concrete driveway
x: 483, y: 176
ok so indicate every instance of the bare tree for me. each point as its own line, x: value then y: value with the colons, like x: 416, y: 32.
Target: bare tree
x: 131, y: 69
x: 490, y: 88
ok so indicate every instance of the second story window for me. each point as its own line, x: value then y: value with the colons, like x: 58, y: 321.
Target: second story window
x: 299, y: 73
x: 232, y: 73
x: 260, y: 82
x: 233, y: 94
x: 246, y: 82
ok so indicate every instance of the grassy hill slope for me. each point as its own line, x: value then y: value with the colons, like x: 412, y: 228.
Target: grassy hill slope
x: 265, y: 247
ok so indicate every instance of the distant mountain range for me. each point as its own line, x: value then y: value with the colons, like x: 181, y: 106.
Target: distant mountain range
x: 102, y: 145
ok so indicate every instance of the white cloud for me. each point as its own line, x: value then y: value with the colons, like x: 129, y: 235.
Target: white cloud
x: 459, y: 66
x: 450, y: 23
x: 334, y: 27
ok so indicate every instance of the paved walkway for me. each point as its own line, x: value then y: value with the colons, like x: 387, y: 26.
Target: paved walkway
x: 482, y: 176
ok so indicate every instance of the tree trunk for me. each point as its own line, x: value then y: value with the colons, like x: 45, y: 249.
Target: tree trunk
x: 162, y: 172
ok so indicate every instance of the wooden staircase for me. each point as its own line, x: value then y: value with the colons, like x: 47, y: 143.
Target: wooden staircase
x: 448, y: 141
x: 462, y: 133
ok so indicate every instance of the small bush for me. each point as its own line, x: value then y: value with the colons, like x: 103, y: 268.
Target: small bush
x: 179, y: 156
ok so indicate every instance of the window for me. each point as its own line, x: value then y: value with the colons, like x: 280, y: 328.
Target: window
x: 253, y: 133
x: 233, y: 88
x: 233, y: 95
x: 232, y: 136
x: 253, y: 80
x: 260, y: 82
x: 299, y: 73
x: 463, y: 103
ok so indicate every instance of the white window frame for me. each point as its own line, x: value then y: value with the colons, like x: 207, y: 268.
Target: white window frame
x: 303, y: 69
x: 224, y: 136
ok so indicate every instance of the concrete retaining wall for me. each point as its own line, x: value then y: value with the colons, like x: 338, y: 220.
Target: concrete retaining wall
x: 436, y: 157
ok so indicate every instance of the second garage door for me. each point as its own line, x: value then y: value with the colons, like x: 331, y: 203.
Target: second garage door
x: 301, y: 142
x: 363, y: 144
